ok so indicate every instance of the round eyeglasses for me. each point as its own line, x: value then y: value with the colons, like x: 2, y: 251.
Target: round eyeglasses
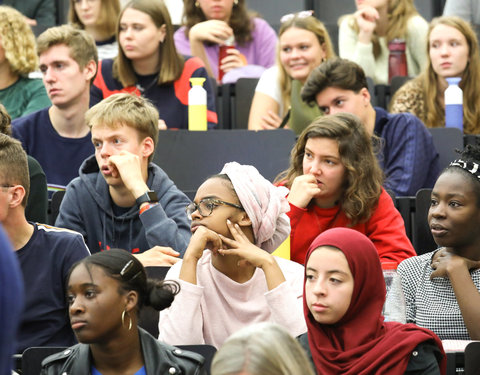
x: 205, y: 206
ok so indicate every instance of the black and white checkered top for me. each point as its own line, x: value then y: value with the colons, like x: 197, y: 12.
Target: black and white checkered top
x: 432, y: 303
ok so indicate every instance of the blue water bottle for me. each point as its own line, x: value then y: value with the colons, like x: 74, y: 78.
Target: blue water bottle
x: 454, y: 104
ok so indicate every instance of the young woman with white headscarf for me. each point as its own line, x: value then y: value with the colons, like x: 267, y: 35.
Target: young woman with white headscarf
x: 228, y: 277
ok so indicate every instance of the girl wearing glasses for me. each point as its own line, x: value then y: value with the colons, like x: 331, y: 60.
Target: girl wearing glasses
x: 99, y: 19
x: 228, y: 277
x: 364, y: 36
x: 211, y: 24
x: 303, y: 44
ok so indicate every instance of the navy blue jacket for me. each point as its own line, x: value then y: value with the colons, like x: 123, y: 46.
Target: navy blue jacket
x: 88, y: 208
x: 408, y: 156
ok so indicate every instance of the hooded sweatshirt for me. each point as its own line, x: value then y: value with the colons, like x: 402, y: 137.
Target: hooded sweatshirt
x: 88, y: 208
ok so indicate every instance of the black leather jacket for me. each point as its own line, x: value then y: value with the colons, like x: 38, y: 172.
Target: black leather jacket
x: 160, y: 359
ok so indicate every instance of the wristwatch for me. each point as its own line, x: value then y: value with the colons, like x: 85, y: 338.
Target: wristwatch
x: 148, y: 197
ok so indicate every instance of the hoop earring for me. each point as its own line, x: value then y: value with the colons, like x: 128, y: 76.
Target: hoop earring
x: 123, y: 320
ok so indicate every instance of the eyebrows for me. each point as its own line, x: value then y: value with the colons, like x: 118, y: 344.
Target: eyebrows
x: 83, y: 286
x: 448, y: 195
x: 446, y: 39
x: 107, y: 137
x: 329, y: 272
x: 337, y: 157
x: 208, y: 197
x: 54, y: 62
x: 332, y: 102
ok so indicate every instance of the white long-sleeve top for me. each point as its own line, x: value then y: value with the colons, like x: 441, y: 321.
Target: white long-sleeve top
x: 209, y: 312
x: 416, y: 49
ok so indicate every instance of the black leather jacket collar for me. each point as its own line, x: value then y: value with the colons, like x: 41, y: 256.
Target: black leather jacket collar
x: 159, y: 358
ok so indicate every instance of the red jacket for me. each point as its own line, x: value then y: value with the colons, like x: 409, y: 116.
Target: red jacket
x: 385, y: 228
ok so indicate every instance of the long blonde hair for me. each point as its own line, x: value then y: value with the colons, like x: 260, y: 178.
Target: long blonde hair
x: 399, y: 12
x: 434, y: 112
x: 306, y: 23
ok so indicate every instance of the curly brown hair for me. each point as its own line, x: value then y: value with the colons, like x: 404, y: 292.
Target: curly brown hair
x: 363, y: 175
x: 240, y: 21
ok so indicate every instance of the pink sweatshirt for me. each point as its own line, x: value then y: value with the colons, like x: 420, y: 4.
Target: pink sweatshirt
x: 209, y: 312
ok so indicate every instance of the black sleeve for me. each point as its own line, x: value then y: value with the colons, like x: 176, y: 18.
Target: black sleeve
x: 37, y: 202
x: 424, y: 360
x: 303, y: 340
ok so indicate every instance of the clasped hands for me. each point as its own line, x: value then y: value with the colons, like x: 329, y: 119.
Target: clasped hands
x: 240, y: 245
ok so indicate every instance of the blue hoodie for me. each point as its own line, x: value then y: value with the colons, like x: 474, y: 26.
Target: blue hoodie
x: 87, y: 208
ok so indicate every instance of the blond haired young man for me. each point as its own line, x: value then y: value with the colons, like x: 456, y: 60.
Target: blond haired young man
x: 121, y: 199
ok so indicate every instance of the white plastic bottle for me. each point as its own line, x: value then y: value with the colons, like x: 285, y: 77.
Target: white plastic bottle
x: 197, y: 105
x: 454, y: 104
x: 394, y: 308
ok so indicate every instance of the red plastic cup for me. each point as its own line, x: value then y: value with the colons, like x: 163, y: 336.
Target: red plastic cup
x: 222, y: 54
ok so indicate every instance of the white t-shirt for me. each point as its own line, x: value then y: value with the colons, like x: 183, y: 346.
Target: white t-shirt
x: 268, y: 84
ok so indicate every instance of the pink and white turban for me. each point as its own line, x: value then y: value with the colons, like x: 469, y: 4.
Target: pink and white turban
x: 264, y: 203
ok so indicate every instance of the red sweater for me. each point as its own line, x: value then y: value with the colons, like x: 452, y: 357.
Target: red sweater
x: 385, y: 228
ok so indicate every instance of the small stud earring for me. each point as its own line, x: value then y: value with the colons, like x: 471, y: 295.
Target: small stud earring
x: 197, y: 4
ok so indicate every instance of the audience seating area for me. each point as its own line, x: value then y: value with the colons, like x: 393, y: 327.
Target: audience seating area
x: 233, y: 100
x: 189, y: 158
x: 178, y: 153
x: 269, y: 152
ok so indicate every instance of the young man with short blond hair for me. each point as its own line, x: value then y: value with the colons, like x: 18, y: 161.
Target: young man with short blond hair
x: 121, y: 199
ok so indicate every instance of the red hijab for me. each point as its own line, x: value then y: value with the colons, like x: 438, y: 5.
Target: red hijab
x: 361, y: 342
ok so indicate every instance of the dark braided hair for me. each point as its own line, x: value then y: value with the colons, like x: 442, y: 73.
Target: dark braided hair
x: 469, y: 154
x: 130, y: 273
